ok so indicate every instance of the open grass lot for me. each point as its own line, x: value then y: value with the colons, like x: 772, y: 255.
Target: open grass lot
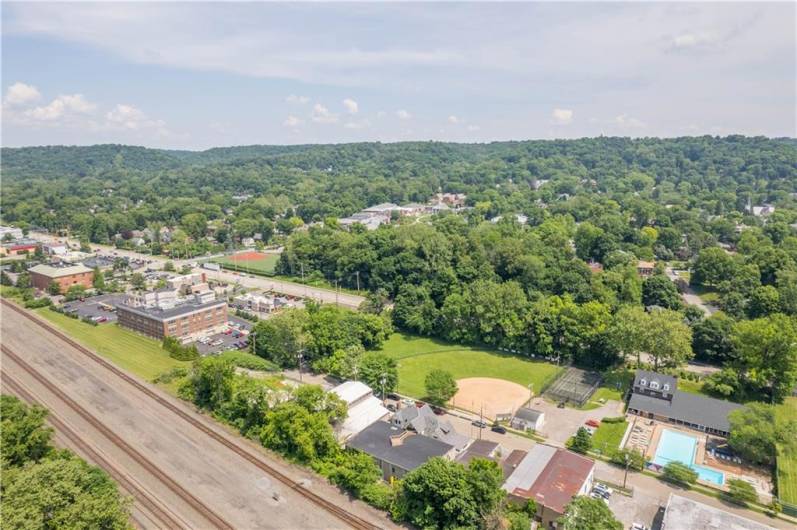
x: 608, y: 436
x: 787, y: 458
x: 138, y: 354
x: 417, y: 356
x: 255, y: 266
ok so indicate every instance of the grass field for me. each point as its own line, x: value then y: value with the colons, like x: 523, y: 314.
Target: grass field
x: 417, y: 356
x: 608, y: 436
x: 138, y: 354
x: 260, y: 266
x: 787, y: 457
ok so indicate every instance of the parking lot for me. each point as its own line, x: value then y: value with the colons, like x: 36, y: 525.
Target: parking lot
x: 96, y: 307
x: 231, y: 339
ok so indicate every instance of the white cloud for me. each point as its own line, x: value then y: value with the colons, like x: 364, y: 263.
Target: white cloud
x: 361, y: 124
x: 20, y: 94
x: 381, y: 114
x: 60, y: 107
x: 562, y: 116
x: 351, y: 106
x: 626, y: 121
x: 292, y: 121
x: 403, y: 114
x: 321, y: 114
x: 129, y: 117
x: 298, y: 100
x: 684, y: 41
x: 453, y: 119
x: 473, y: 128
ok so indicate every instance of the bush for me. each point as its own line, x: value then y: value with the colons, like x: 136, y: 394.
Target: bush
x: 249, y: 361
x: 679, y: 473
x: 618, y: 419
x: 581, y: 442
x: 171, y: 375
x: 636, y: 460
x: 37, y: 303
x: 87, y: 320
x: 740, y: 492
x: 246, y: 315
x: 178, y: 351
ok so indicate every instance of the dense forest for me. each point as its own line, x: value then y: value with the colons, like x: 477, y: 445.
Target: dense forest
x: 564, y: 283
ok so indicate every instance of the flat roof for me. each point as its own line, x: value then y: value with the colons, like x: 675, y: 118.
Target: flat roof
x: 351, y: 391
x: 561, y: 480
x: 689, y: 408
x: 172, y: 312
x: 687, y: 514
x: 411, y: 453
x: 59, y: 272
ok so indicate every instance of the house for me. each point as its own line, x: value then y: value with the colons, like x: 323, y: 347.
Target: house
x: 595, y: 267
x: 363, y: 408
x: 481, y: 449
x: 248, y: 242
x: 656, y: 396
x: 10, y: 233
x: 55, y: 249
x: 519, y: 217
x: 41, y: 276
x: 397, y: 451
x: 645, y: 268
x: 687, y: 514
x: 764, y: 210
x: 551, y: 477
x: 440, y: 207
x: 526, y: 419
x: 424, y: 421
x: 414, y: 208
x: 454, y: 200
x: 385, y: 208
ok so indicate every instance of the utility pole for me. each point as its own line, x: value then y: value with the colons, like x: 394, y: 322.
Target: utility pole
x: 481, y: 420
x: 299, y: 356
x: 627, y: 462
x: 358, y: 280
x: 382, y: 380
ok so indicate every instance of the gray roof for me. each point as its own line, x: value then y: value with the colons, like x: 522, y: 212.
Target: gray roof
x: 478, y: 449
x: 655, y: 376
x: 689, y: 408
x: 529, y: 469
x: 172, y: 312
x: 414, y: 451
x: 525, y: 413
x: 58, y: 272
x: 687, y: 514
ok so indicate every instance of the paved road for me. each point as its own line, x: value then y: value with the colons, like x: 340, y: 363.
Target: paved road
x: 236, y: 489
x: 326, y: 296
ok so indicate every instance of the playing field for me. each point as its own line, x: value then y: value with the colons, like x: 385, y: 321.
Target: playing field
x: 489, y: 396
x: 252, y: 262
x: 138, y: 354
x: 417, y: 356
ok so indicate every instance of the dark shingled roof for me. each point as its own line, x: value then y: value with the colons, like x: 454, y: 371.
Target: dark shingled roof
x: 414, y: 451
x: 689, y: 408
x: 655, y: 376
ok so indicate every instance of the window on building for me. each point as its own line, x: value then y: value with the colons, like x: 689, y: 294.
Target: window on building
x: 654, y: 385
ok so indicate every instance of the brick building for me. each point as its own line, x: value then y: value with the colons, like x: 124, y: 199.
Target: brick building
x: 186, y: 321
x: 42, y: 275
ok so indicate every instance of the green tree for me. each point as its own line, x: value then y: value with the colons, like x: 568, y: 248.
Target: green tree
x: 379, y: 371
x: 440, y: 386
x: 668, y: 339
x: 282, y: 337
x: 634, y: 458
x: 679, y: 473
x: 138, y: 281
x: 75, y: 292
x: 297, y: 433
x: 628, y: 331
x: 23, y: 281
x: 659, y: 290
x: 712, y: 267
x: 586, y: 513
x: 98, y: 281
x: 764, y: 300
x: 62, y: 492
x: 582, y: 441
x: 210, y: 383
x: 168, y: 266
x: 766, y: 355
x: 195, y: 225
x: 756, y: 431
x: 5, y: 279
x: 25, y: 438
x: 711, y: 338
x: 54, y: 288
x: 741, y: 492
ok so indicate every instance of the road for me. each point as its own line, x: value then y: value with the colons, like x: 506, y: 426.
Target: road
x: 220, y: 470
x: 326, y: 296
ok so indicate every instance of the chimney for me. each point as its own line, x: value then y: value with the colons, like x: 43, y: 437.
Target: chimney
x: 398, y: 439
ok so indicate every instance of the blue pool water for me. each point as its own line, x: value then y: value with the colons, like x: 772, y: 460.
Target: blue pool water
x: 678, y: 447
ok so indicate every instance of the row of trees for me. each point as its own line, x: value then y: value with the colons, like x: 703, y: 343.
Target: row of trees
x: 43, y: 487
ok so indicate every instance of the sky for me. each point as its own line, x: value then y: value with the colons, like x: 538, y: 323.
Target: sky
x: 199, y: 75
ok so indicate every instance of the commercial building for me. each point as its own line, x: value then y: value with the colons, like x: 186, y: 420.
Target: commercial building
x: 398, y: 451
x: 186, y: 320
x: 686, y: 514
x: 551, y: 477
x: 656, y: 396
x: 42, y: 275
x: 18, y: 247
x: 363, y: 408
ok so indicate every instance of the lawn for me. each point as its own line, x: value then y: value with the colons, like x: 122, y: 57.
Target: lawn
x: 787, y: 457
x: 260, y: 266
x: 608, y: 436
x: 137, y: 354
x: 417, y: 356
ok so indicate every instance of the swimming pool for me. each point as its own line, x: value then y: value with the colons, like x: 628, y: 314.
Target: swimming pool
x: 678, y: 447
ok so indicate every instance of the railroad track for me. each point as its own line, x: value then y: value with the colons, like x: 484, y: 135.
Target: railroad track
x: 344, y: 515
x: 214, y: 520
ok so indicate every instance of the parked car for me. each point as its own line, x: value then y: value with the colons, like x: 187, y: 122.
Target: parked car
x: 394, y: 397
x: 499, y: 429
x: 639, y: 526
x: 439, y: 411
x: 603, y: 487
x: 391, y: 407
x: 478, y: 423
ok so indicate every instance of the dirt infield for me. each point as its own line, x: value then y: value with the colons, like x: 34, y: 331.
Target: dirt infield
x: 249, y: 256
x: 497, y: 396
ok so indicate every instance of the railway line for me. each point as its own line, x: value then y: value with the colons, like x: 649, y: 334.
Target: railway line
x: 250, y: 455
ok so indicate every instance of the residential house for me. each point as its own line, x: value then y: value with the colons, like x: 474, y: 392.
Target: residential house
x: 551, y: 477
x: 656, y: 396
x: 645, y: 268
x: 526, y: 419
x: 398, y: 451
x: 363, y: 408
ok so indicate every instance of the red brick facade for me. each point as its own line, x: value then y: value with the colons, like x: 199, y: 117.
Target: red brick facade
x: 42, y: 281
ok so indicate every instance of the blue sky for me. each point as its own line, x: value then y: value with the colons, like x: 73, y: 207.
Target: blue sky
x: 183, y: 75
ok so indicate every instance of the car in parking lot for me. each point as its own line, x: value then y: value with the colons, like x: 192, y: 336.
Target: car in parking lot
x: 499, y: 429
x: 478, y: 423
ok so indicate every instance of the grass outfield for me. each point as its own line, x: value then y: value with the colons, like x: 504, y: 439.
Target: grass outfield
x: 261, y: 266
x: 787, y: 459
x: 137, y: 354
x: 417, y: 356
